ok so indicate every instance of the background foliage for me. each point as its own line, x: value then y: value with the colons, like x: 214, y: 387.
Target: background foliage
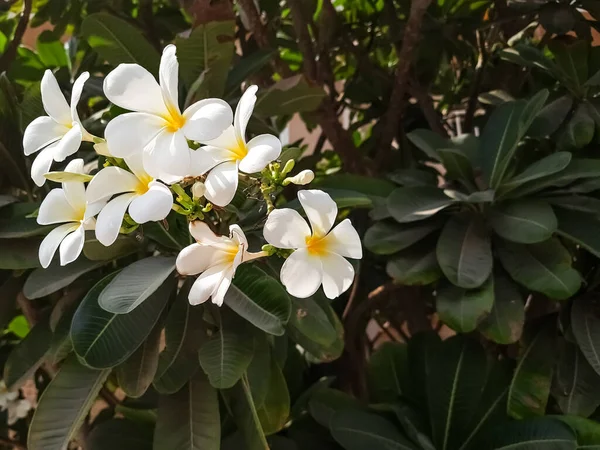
x: 460, y: 135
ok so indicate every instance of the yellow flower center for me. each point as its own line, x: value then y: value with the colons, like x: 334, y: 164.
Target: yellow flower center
x: 231, y: 253
x: 175, y: 120
x: 142, y: 186
x: 316, y: 245
x: 239, y: 151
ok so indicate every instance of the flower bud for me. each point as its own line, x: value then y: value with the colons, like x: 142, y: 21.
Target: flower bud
x: 102, y: 148
x: 288, y: 167
x: 302, y: 178
x: 198, y: 190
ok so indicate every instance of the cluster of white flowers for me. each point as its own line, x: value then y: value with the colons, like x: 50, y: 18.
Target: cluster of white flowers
x: 153, y: 143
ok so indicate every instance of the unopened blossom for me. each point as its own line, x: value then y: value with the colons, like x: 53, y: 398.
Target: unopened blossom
x: 230, y: 152
x: 59, y: 134
x: 157, y: 127
x: 216, y: 259
x: 66, y: 205
x: 300, y: 179
x: 320, y: 250
x: 198, y: 189
x: 146, y: 198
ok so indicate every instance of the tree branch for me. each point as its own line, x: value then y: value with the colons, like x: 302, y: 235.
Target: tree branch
x: 393, y: 116
x: 472, y: 103
x: 427, y: 107
x: 11, y: 51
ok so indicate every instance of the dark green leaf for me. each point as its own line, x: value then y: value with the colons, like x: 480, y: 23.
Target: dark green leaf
x: 388, y: 372
x: 464, y: 251
x: 275, y: 410
x: 189, y: 419
x: 585, y: 323
x: 579, y: 131
x: 580, y: 203
x: 526, y: 221
x: 538, y: 434
x: 120, y: 434
x: 51, y: 50
x: 409, y: 204
x: 457, y: 165
x: 415, y: 266
x: 72, y: 392
x: 551, y: 117
x: 136, y: 283
x: 123, y: 246
x: 530, y: 386
x: 373, y: 187
x: 245, y: 68
x: 386, y: 238
x: 581, y: 228
x: 571, y: 59
x: 19, y: 254
x: 325, y: 402
x: 103, y: 339
x: 462, y: 309
x: 587, y: 431
x: 288, y: 96
x: 504, y: 324
x: 428, y: 142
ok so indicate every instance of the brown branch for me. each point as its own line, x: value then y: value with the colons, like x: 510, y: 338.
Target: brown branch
x: 11, y: 51
x: 393, y: 116
x: 427, y: 108
x: 27, y: 309
x: 305, y: 44
x: 477, y: 80
x: 14, y: 444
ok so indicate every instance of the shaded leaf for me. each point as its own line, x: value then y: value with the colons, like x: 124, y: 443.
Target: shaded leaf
x: 585, y: 323
x: 523, y: 221
x: 409, y: 204
x: 462, y: 309
x: 385, y: 238
x: 504, y: 324
x: 288, y: 96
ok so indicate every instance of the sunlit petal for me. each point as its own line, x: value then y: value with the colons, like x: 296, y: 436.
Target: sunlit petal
x: 285, y: 228
x: 56, y: 209
x: 207, y: 119
x: 207, y: 284
x: 243, y: 112
x: 168, y: 154
x: 221, y: 183
x: 195, y: 258
x: 338, y: 275
x: 76, y: 95
x: 154, y: 205
x: 262, y: 150
x: 219, y: 294
x: 75, y: 190
x: 168, y: 77
x: 130, y: 133
x: 344, y: 240
x: 202, y: 162
x: 110, y: 219
x: 132, y: 87
x: 320, y: 209
x: 301, y: 274
x: 226, y: 140
x: 51, y: 242
x: 54, y: 101
x: 42, y: 132
x: 202, y: 233
x: 41, y: 164
x: 110, y: 181
x: 71, y: 246
x: 238, y: 236
x: 69, y: 143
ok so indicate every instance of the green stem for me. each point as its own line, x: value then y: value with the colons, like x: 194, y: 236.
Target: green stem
x: 171, y: 238
x: 248, y: 394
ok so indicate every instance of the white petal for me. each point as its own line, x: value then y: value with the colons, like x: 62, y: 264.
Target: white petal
x: 71, y: 246
x: 41, y: 164
x: 207, y: 119
x: 76, y: 95
x: 221, y: 183
x: 42, y: 132
x: 226, y: 140
x: 168, y: 154
x: 75, y: 190
x: 110, y: 219
x: 338, y: 275
x: 135, y: 162
x: 243, y: 112
x: 52, y: 241
x: 56, y: 209
x: 196, y: 258
x: 203, y: 234
x: 238, y: 236
x: 110, y: 181
x: 91, y: 210
x: 102, y: 148
x: 202, y: 162
x: 207, y: 284
x: 285, y: 228
x: 154, y: 205
x: 130, y: 133
x: 69, y: 143
x: 301, y: 274
x: 168, y: 74
x: 219, y: 294
x: 344, y: 240
x: 54, y: 101
x: 262, y: 150
x: 320, y: 209
x: 132, y: 87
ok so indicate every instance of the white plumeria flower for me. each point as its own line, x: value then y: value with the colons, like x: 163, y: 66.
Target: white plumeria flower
x: 216, y: 258
x: 300, y: 179
x: 66, y: 205
x: 17, y: 408
x: 59, y: 133
x: 158, y: 128
x: 230, y: 152
x: 319, y: 256
x: 146, y: 198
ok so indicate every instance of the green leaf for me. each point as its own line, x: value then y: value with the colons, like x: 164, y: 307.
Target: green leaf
x: 462, y: 309
x: 9, y: 289
x: 72, y: 392
x: 259, y: 370
x: 464, y: 251
x: 324, y: 402
x: 288, y: 96
x: 118, y: 42
x: 504, y: 324
x: 571, y: 59
x: 189, y: 419
x: 551, y: 117
x: 120, y: 434
x: 388, y: 372
x: 63, y: 177
x: 576, y: 386
x: 454, y: 385
x: 275, y: 410
x: 581, y: 228
x: 409, y: 204
x: 134, y: 284
x: 457, y: 165
x: 373, y: 187
x: 414, y: 177
x: 18, y: 326
x: 260, y: 299
x: 544, y: 267
x: 579, y: 131
x: 428, y: 142
x: 525, y: 221
x: 585, y: 323
x: 19, y: 254
x: 16, y: 223
x: 50, y: 50
x: 208, y: 50
x: 415, y: 266
x: 579, y: 203
x: 530, y: 386
x: 27, y: 356
x: 386, y: 238
x: 103, y: 339
x: 587, y: 431
x: 42, y: 282
x: 358, y: 430
x: 245, y: 68
x: 123, y: 246
x: 538, y: 434
x: 137, y: 372
x: 226, y: 356
x: 411, y: 423
x: 184, y: 334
